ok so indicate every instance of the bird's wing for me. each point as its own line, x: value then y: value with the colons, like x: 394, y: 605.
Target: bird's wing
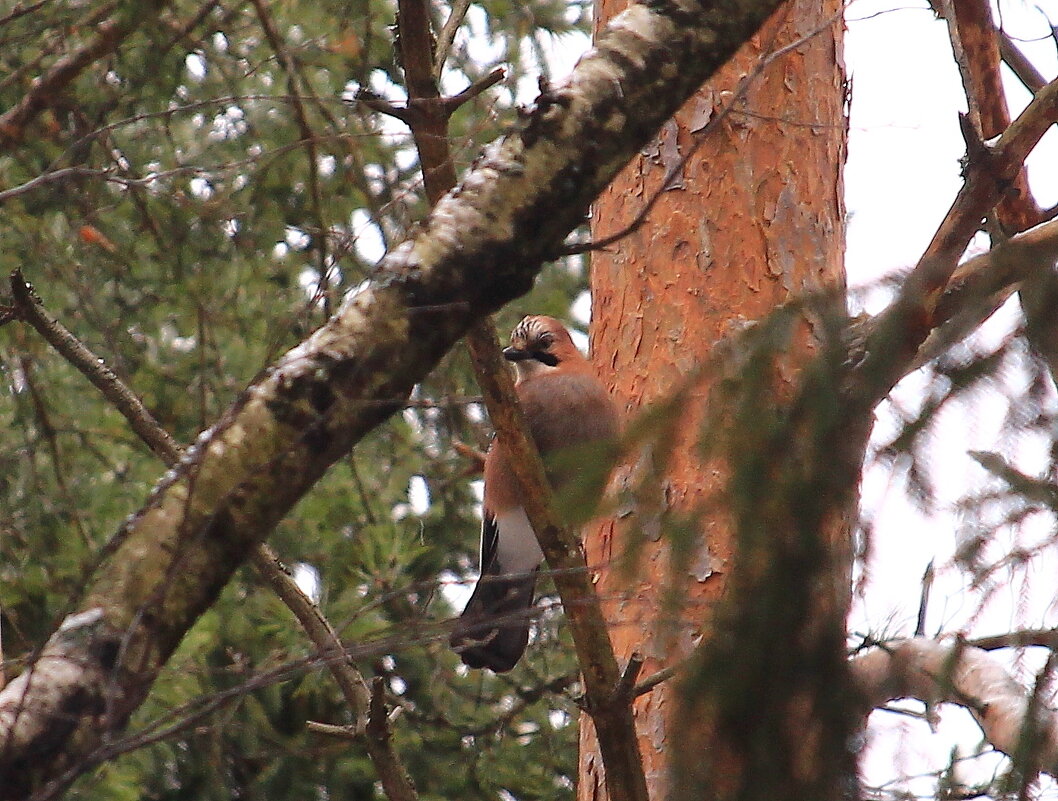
x: 490, y: 538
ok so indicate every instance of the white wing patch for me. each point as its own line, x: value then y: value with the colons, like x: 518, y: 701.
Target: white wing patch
x: 519, y: 552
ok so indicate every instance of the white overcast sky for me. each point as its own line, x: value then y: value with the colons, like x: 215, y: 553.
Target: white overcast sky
x: 901, y: 177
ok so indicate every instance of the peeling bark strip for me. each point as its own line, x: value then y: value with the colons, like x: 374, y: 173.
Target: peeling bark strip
x: 481, y: 248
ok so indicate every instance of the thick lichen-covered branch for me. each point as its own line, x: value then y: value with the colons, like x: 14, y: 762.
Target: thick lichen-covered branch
x: 482, y: 247
x: 954, y: 672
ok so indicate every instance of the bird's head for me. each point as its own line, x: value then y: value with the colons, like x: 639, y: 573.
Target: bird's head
x: 539, y: 344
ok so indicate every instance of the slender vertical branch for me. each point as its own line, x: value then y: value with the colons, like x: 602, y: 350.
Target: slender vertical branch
x: 975, y: 42
x: 448, y: 35
x: 606, y: 699
x: 308, y: 137
x: 428, y: 119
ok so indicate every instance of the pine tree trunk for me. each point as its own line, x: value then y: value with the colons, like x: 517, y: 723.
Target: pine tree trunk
x: 754, y: 218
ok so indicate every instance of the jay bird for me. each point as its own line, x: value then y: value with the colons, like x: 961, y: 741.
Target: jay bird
x: 565, y: 405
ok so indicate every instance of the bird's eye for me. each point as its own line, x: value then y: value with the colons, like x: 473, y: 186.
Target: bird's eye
x: 546, y: 340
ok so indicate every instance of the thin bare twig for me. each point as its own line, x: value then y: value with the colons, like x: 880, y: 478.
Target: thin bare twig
x: 208, y: 170
x: 417, y: 109
x: 451, y: 104
x: 382, y: 106
x: 31, y: 310
x: 110, y: 34
x: 923, y: 601
x: 319, y: 630
x: 332, y: 730
x: 654, y: 679
x: 626, y: 688
x: 47, y: 178
x: 20, y: 11
x: 442, y: 402
x: 448, y: 35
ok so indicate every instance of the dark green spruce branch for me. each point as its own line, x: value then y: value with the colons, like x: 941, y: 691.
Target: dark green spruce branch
x: 29, y: 308
x: 109, y: 34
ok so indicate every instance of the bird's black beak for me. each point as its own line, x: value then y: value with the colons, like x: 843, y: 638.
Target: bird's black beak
x: 516, y: 355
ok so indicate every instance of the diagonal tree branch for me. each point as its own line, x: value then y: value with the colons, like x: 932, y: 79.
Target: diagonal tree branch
x: 955, y: 672
x: 110, y: 34
x: 365, y: 703
x: 30, y: 309
x: 898, y: 332
x: 447, y: 36
x: 358, y: 696
x: 1020, y: 64
x: 481, y: 247
x: 982, y: 284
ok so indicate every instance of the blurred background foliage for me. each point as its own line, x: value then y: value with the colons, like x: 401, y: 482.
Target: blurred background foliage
x: 209, y: 200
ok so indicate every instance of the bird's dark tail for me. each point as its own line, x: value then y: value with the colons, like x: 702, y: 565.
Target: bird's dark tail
x: 493, y: 630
